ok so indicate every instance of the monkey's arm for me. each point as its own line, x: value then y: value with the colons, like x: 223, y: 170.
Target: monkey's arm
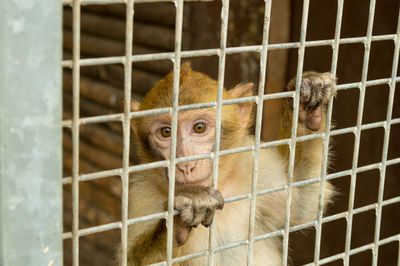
x: 315, y: 92
x: 147, y: 241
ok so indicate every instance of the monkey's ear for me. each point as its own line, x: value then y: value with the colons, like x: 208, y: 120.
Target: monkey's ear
x: 135, y: 105
x: 239, y: 91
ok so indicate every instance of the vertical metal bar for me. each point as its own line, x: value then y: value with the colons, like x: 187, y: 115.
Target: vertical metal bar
x: 221, y: 77
x: 260, y: 105
x: 386, y: 144
x: 335, y: 48
x: 126, y: 123
x: 30, y: 133
x: 174, y: 126
x: 358, y: 132
x: 398, y: 254
x: 292, y: 146
x: 76, y: 28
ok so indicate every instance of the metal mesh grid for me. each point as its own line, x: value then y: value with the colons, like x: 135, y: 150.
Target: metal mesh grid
x: 221, y: 52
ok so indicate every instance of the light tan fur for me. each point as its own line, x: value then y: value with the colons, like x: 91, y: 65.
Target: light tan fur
x: 149, y: 189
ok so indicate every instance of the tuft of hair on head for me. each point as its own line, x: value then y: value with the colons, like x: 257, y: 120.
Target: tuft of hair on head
x: 186, y: 70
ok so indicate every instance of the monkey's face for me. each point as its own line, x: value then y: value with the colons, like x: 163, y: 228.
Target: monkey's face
x: 195, y: 136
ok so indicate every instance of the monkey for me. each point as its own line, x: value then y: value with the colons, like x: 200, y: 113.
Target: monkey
x: 195, y: 198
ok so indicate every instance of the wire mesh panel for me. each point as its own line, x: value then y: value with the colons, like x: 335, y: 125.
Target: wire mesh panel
x: 128, y: 61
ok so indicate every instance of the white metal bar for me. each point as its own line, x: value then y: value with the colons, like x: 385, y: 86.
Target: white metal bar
x: 160, y: 215
x: 174, y: 127
x: 358, y: 132
x: 126, y: 127
x: 228, y: 50
x: 357, y: 250
x: 76, y: 14
x: 280, y: 233
x: 386, y: 144
x: 257, y: 136
x: 110, y: 2
x: 311, y: 180
x: 292, y: 146
x: 119, y: 117
x: 221, y: 78
x: 398, y: 252
x: 141, y: 167
x: 326, y: 139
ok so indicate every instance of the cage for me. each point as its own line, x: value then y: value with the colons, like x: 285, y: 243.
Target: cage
x: 116, y: 50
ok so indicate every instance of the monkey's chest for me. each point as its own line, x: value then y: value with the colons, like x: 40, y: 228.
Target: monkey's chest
x: 231, y: 226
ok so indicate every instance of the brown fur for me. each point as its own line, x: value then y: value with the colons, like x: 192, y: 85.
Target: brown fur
x: 149, y: 189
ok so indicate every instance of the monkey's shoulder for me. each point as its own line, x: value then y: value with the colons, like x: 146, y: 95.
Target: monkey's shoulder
x: 150, y: 182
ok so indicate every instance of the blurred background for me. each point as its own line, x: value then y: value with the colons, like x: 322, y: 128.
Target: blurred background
x: 101, y: 88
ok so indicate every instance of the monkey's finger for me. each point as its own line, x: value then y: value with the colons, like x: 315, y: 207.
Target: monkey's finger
x: 311, y: 117
x: 218, y: 196
x: 208, y: 217
x: 198, y: 216
x: 181, y: 233
x: 186, y: 208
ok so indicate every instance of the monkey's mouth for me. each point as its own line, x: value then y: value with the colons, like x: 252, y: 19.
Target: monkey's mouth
x: 200, y: 182
x: 206, y: 181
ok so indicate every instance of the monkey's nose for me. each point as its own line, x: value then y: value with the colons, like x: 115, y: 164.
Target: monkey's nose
x: 187, y: 169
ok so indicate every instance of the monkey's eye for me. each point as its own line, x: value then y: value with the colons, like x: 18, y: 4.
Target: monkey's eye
x: 199, y: 128
x: 165, y: 132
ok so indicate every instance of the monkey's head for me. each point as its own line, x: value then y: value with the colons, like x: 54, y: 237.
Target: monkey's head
x: 196, y: 128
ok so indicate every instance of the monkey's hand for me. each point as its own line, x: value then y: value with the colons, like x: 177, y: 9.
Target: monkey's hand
x: 197, y: 204
x: 315, y: 92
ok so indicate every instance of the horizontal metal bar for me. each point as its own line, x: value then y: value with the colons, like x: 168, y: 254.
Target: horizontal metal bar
x: 110, y: 2
x: 215, y: 250
x: 118, y: 171
x: 115, y: 225
x: 197, y: 106
x: 278, y: 95
x: 216, y: 52
x: 157, y: 111
x: 389, y: 239
x: 159, y: 264
x: 163, y: 215
x: 190, y: 256
x: 98, y: 229
x: 147, y: 166
x: 393, y: 161
x: 119, y: 116
x: 357, y: 250
x: 269, y: 235
x: 369, y: 83
x: 95, y: 119
x: 96, y: 61
x: 165, y: 163
x: 280, y: 233
x: 237, y: 198
x: 95, y: 2
x: 154, y: 216
x: 93, y: 176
